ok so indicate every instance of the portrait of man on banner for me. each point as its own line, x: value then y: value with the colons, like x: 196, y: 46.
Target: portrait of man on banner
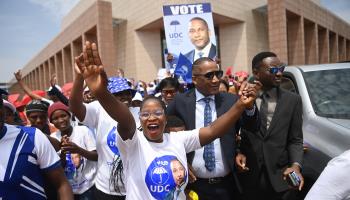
x: 199, y: 34
x: 189, y: 30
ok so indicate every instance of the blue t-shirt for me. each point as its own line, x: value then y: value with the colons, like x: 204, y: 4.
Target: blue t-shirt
x: 26, y: 154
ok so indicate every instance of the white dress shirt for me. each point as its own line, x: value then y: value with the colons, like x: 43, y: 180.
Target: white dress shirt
x: 205, y: 52
x: 198, y: 164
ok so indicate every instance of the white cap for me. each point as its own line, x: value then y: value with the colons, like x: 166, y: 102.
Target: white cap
x: 137, y: 97
x: 10, y: 106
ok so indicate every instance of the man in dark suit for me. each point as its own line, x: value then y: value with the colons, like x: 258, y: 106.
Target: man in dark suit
x: 276, y: 149
x: 199, y: 35
x: 216, y: 178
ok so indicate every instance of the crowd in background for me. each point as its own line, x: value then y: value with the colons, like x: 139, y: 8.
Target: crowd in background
x: 239, y: 136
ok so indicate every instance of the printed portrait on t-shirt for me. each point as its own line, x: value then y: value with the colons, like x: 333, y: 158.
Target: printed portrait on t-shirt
x: 74, y: 170
x: 166, y: 177
x: 111, y: 140
x: 76, y: 160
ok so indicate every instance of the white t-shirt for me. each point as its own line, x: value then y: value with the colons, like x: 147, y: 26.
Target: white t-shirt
x: 25, y: 154
x: 153, y: 168
x: 334, y: 181
x: 80, y: 171
x: 106, y: 130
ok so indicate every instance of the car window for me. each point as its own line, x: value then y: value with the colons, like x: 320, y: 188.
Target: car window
x: 329, y: 92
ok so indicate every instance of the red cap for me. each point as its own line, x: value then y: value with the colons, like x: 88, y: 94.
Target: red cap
x: 57, y: 106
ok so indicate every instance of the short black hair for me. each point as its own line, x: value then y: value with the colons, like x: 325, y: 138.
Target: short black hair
x: 174, y: 121
x: 197, y: 63
x: 154, y: 99
x: 258, y: 58
x: 168, y: 82
x: 200, y: 19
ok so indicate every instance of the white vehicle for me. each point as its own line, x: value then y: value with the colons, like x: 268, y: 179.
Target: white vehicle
x: 325, y: 93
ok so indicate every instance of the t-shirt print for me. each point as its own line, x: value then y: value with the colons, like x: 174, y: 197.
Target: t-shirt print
x: 166, y: 177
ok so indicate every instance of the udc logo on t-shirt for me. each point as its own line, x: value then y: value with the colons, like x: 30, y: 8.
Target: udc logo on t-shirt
x: 165, y: 176
x: 111, y: 140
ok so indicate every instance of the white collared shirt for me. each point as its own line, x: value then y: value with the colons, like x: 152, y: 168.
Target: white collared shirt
x: 198, y: 164
x: 205, y: 52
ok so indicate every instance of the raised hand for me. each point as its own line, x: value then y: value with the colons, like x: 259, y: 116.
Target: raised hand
x: 89, y: 65
x: 248, y: 93
x: 18, y: 75
x: 53, y: 80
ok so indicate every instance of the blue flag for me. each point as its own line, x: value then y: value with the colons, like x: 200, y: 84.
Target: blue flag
x: 184, y: 68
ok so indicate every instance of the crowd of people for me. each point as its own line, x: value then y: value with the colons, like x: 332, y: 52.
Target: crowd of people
x: 222, y: 137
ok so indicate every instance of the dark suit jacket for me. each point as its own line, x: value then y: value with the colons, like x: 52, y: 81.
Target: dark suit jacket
x: 212, y: 53
x: 184, y: 107
x: 281, y: 146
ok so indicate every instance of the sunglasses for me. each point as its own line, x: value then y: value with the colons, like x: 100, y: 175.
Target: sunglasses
x: 275, y: 70
x: 145, y: 115
x: 210, y: 75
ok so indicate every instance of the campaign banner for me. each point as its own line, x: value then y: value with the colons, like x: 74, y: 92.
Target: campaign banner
x: 189, y: 30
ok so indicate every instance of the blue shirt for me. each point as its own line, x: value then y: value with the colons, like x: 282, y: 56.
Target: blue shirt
x: 25, y: 154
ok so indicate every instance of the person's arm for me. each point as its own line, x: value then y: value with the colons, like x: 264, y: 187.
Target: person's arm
x: 56, y: 92
x: 76, y: 104
x: 58, y: 179
x: 332, y: 183
x: 295, y: 143
x: 25, y: 88
x: 222, y: 124
x: 74, y: 148
x: 49, y: 163
x: 54, y: 142
x: 96, y: 79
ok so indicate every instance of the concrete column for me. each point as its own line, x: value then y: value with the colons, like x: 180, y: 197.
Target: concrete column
x: 44, y: 75
x: 52, y: 68
x: 59, y: 68
x: 341, y: 48
x: 277, y: 28
x: 311, y: 42
x: 67, y: 64
x: 36, y: 79
x: 76, y: 49
x: 323, y: 45
x: 41, y: 77
x: 295, y: 35
x: 333, y: 47
x: 104, y: 36
x: 29, y: 77
x: 47, y: 74
x: 347, y: 49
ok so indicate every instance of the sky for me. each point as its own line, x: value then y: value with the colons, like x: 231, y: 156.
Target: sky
x: 27, y: 26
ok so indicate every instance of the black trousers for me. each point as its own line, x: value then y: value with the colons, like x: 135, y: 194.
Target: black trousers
x: 222, y: 190
x: 265, y: 191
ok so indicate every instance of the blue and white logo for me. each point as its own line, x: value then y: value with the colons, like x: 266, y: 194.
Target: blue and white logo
x: 174, y: 23
x: 163, y: 177
x: 111, y: 140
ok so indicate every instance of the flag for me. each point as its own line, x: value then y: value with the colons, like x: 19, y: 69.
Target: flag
x: 184, y: 69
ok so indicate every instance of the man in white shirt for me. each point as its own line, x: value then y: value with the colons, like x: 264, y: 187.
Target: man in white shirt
x: 199, y: 35
x: 213, y: 165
